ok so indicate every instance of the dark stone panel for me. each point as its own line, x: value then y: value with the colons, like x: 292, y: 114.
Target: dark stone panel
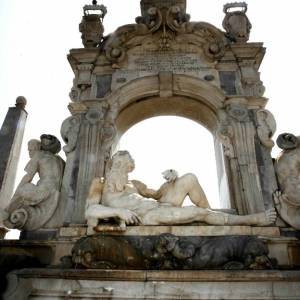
x: 290, y: 233
x: 170, y: 252
x: 39, y: 235
x: 7, y: 136
x: 227, y: 79
x: 103, y: 85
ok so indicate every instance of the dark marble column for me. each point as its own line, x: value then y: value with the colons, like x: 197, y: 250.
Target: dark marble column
x: 11, y: 136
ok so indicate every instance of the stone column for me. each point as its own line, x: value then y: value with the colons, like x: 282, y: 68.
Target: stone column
x: 11, y: 136
x: 251, y: 199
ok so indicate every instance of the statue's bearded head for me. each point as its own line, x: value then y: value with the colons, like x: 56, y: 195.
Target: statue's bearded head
x: 123, y: 160
x: 121, y: 164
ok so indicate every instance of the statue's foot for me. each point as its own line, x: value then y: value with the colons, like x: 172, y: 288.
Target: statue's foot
x: 266, y: 218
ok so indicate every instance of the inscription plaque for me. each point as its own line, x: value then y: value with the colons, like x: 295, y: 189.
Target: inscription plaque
x: 166, y: 61
x: 149, y: 63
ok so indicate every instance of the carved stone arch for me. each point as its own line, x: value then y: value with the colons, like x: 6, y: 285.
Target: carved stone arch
x: 189, y: 97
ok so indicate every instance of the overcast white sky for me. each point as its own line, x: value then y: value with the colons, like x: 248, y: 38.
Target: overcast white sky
x: 36, y: 36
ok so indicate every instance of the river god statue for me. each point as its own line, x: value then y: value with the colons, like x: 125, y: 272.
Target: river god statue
x: 133, y: 203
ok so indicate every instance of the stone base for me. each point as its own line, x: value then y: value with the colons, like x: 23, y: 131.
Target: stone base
x: 124, y: 284
x: 285, y: 248
x: 186, y: 230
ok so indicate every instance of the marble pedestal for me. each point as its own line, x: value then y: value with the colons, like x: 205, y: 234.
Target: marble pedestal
x: 125, y: 284
x: 36, y: 270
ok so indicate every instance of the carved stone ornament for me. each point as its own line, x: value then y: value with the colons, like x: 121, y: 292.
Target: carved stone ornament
x: 177, y: 19
x: 94, y: 115
x: 21, y: 102
x: 250, y: 79
x: 170, y: 252
x: 287, y: 200
x: 236, y: 23
x: 168, y: 26
x: 69, y: 132
x: 74, y: 93
x: 266, y: 127
x: 91, y: 27
x: 33, y: 205
x: 225, y: 134
x: 238, y: 112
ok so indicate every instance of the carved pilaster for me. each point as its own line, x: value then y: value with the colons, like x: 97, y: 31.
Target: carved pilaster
x: 265, y: 129
x: 250, y: 80
x: 97, y: 133
x: 237, y: 133
x: 70, y: 131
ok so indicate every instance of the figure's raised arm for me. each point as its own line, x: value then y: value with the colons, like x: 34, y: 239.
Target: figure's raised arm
x: 145, y: 191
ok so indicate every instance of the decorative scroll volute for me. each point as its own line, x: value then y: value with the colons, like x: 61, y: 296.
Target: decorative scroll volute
x: 167, y: 26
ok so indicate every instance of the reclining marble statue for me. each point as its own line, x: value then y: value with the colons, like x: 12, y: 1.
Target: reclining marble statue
x: 133, y: 203
x: 32, y: 205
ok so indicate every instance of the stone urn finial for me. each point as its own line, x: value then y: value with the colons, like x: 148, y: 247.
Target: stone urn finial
x: 236, y: 22
x: 91, y: 26
x: 21, y: 102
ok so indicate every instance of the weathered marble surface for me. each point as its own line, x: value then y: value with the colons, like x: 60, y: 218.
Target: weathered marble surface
x: 287, y: 199
x: 187, y: 230
x: 166, y: 64
x: 33, y: 205
x: 11, y: 137
x: 124, y: 284
x: 134, y: 203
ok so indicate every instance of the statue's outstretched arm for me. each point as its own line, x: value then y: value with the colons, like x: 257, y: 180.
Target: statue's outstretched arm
x: 95, y: 211
x: 145, y: 191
